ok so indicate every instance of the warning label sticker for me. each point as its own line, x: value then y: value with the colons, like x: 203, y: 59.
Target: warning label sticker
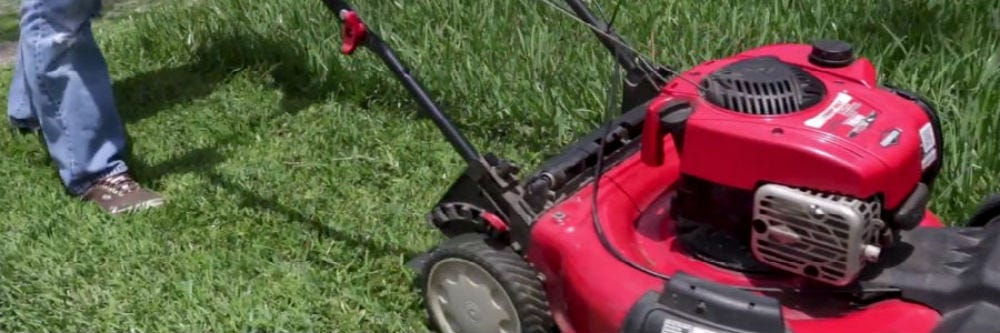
x: 844, y: 116
x: 676, y: 326
x: 928, y: 144
x: 840, y: 105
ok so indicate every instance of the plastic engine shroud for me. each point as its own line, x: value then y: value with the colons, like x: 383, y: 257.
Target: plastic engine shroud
x: 856, y: 140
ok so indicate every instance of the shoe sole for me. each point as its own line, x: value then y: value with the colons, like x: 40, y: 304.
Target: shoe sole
x: 137, y: 207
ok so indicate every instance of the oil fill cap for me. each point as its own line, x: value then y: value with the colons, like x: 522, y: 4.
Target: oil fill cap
x: 831, y: 53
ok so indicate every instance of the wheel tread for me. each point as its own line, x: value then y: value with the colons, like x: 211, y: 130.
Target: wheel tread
x: 518, y: 279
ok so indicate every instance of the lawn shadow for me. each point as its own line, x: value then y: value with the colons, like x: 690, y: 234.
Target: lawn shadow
x: 250, y: 199
x: 202, y: 161
x: 9, y: 26
x: 285, y: 64
x: 144, y: 95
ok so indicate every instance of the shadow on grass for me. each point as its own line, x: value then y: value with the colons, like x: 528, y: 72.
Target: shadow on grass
x: 144, y: 95
x: 286, y: 63
x: 9, y: 26
x: 202, y: 161
x: 323, y: 231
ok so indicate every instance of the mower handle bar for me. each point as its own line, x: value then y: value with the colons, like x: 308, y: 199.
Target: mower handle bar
x: 608, y: 37
x: 628, y: 59
x: 376, y: 45
x: 495, y: 179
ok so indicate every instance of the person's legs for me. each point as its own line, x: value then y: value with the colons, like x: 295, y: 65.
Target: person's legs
x: 68, y: 88
x: 19, y: 109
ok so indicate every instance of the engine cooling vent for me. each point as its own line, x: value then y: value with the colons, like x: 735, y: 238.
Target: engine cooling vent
x: 763, y: 86
x: 826, y: 237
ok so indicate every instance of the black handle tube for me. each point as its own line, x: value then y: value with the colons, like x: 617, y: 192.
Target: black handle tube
x: 375, y: 44
x: 337, y: 5
x: 611, y: 40
x: 447, y: 127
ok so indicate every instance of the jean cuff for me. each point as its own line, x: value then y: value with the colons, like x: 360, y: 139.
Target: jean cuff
x: 25, y: 124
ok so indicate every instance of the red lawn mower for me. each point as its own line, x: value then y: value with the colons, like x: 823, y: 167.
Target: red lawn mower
x: 783, y: 189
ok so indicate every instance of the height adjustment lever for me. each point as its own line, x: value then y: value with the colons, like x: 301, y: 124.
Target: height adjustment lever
x: 353, y: 32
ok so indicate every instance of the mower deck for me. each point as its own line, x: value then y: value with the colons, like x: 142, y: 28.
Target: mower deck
x: 635, y: 201
x: 635, y: 220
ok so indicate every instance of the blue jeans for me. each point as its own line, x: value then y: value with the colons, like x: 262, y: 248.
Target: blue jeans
x: 61, y: 84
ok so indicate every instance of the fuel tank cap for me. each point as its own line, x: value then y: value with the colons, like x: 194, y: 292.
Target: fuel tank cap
x: 831, y: 53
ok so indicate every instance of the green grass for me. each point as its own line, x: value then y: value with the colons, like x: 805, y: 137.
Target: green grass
x: 298, y: 178
x: 8, y: 26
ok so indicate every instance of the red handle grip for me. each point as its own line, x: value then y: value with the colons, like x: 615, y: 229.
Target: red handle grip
x: 353, y: 32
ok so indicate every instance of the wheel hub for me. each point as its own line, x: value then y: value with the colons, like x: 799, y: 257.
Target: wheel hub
x: 462, y: 296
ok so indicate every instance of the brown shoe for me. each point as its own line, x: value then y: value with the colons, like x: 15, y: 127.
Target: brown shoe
x: 119, y: 193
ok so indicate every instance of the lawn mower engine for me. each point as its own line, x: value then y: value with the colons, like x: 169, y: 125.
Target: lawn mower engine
x: 792, y: 157
x: 765, y: 189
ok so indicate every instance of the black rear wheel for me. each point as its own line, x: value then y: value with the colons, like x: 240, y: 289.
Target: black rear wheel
x: 472, y: 283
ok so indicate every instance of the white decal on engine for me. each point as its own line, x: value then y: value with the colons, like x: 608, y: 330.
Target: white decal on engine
x: 854, y: 121
x: 862, y: 125
x: 702, y: 330
x: 928, y: 159
x: 675, y: 326
x: 890, y: 138
x: 928, y: 144
x: 838, y: 106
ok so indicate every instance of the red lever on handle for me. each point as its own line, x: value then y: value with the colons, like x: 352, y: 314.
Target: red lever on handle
x: 353, y: 33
